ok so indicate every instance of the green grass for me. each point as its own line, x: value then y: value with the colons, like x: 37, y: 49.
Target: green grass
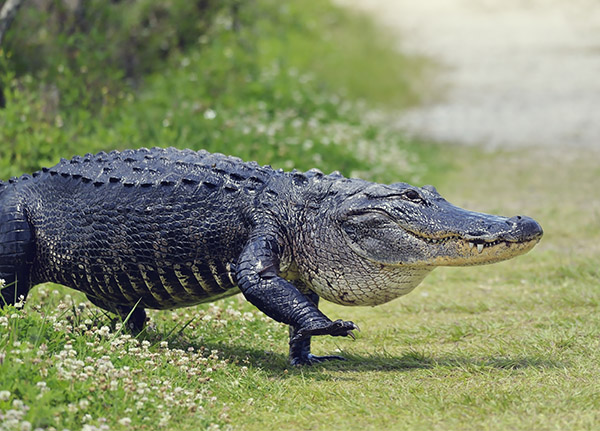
x: 507, y: 346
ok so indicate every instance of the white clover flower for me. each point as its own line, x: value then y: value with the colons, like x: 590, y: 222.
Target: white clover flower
x: 210, y: 114
x: 124, y: 421
x: 4, y: 395
x: 164, y: 419
x: 19, y: 405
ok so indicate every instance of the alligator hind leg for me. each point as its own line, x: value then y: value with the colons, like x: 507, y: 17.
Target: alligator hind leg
x: 300, y: 349
x: 16, y: 247
x: 134, y: 316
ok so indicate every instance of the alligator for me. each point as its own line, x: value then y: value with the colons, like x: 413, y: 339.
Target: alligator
x: 164, y: 228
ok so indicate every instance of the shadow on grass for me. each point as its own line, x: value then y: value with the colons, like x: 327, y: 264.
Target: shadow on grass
x: 277, y: 363
x: 417, y: 360
x: 413, y: 360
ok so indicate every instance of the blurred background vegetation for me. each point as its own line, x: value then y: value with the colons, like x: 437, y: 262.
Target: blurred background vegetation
x: 285, y: 83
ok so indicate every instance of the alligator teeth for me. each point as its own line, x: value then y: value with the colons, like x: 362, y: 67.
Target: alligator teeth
x: 479, y: 248
x: 471, y: 245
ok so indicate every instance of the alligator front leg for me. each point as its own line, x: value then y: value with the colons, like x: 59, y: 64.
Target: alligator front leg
x: 258, y: 279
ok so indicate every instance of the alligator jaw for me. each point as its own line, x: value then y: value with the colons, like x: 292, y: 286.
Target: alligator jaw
x: 458, y: 251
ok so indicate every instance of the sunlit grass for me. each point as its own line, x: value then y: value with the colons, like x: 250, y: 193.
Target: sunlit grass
x: 506, y: 346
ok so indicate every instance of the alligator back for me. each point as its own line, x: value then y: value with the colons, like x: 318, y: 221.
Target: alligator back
x: 160, y: 226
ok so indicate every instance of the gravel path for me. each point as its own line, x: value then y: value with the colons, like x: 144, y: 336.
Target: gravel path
x: 515, y: 72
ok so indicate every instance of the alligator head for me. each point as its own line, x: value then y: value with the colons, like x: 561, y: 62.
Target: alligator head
x: 396, y: 234
x: 404, y: 225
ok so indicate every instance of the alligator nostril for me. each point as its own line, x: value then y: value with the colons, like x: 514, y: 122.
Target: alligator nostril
x: 525, y: 227
x: 514, y: 219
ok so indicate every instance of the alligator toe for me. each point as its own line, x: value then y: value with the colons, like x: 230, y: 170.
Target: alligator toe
x: 311, y: 359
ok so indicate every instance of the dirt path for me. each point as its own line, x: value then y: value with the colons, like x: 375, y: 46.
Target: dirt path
x: 516, y: 72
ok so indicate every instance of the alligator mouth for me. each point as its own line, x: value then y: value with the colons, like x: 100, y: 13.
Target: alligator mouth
x: 454, y: 250
x: 473, y: 243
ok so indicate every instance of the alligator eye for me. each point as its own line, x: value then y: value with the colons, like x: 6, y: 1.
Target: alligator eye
x: 413, y: 195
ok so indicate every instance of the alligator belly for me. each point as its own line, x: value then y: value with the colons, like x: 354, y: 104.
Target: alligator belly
x: 158, y: 287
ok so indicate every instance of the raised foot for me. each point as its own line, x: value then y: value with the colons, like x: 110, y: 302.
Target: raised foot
x: 338, y: 328
x: 311, y: 359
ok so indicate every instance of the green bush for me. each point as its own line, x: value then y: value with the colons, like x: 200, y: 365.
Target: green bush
x: 272, y: 82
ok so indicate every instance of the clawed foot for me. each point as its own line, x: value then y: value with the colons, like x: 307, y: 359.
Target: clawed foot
x: 338, y: 328
x: 300, y: 341
x: 311, y: 359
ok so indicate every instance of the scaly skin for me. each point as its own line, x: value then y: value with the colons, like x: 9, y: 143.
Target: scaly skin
x: 165, y: 228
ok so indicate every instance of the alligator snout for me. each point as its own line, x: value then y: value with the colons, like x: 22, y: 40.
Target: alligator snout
x: 488, y: 228
x: 524, y: 228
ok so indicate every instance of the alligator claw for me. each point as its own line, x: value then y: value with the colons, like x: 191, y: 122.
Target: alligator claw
x: 341, y: 328
x: 351, y: 332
